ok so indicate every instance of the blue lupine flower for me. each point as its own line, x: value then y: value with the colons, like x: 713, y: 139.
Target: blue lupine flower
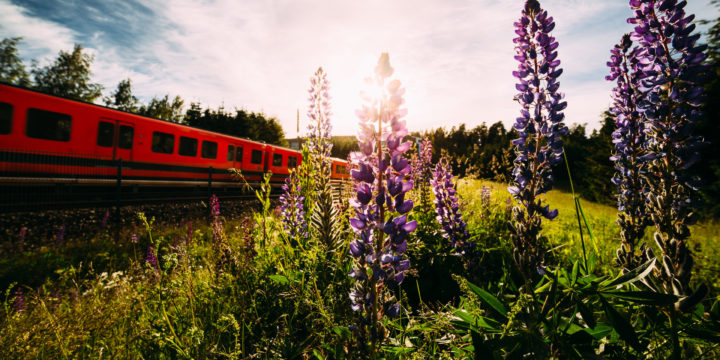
x: 447, y: 208
x: 540, y: 127
x: 670, y: 67
x: 292, y: 209
x: 630, y: 155
x: 380, y: 205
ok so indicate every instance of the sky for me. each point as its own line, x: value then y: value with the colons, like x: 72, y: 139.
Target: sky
x: 454, y: 57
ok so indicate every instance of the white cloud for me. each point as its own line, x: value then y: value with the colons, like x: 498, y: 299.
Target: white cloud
x: 42, y: 39
x: 454, y: 57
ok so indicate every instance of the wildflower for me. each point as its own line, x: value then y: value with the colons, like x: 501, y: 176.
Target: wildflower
x: 188, y: 236
x: 151, y: 259
x: 670, y: 64
x: 105, y: 218
x: 18, y: 301
x: 292, y: 212
x: 379, y: 202
x: 60, y: 237
x: 630, y: 155
x: 422, y: 173
x: 448, y: 209
x: 134, y: 238
x: 540, y: 127
x: 324, y: 220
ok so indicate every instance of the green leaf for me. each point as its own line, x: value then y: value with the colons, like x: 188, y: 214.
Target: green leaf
x: 471, y: 322
x: 586, y: 314
x: 574, y: 273
x: 632, y: 276
x: 599, y: 331
x: 644, y: 297
x: 318, y: 354
x: 489, y: 299
x: 280, y: 279
x: 621, y: 325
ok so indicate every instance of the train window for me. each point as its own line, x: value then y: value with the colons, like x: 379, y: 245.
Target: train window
x: 292, y: 161
x: 209, y: 150
x: 48, y: 125
x: 277, y: 159
x: 187, y: 146
x: 256, y: 157
x: 231, y: 153
x: 106, y: 133
x: 163, y: 142
x: 126, y: 137
x: 239, y: 154
x: 6, y: 111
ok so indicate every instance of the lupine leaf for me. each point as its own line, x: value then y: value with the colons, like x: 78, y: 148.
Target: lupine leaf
x: 621, y: 325
x: 644, y: 297
x: 632, y: 276
x: 489, y: 299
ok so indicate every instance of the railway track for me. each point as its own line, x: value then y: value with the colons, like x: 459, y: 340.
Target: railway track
x: 19, y: 194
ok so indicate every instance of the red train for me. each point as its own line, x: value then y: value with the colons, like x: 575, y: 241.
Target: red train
x: 46, y: 138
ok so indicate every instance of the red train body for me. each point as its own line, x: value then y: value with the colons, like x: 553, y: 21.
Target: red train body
x: 49, y: 138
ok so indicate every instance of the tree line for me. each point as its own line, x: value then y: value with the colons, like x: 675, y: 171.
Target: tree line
x: 69, y: 76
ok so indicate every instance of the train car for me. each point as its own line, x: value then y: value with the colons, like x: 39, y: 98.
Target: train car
x: 45, y: 138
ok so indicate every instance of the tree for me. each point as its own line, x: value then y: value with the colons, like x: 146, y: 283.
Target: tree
x: 68, y: 76
x: 12, y: 69
x: 123, y: 98
x: 254, y: 126
x: 163, y: 108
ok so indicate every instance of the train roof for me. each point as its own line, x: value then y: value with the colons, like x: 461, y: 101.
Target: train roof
x: 2, y: 83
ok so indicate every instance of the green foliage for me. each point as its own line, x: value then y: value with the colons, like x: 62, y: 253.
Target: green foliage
x: 163, y: 108
x: 123, y: 98
x: 68, y: 76
x: 254, y: 126
x: 12, y: 69
x: 342, y: 146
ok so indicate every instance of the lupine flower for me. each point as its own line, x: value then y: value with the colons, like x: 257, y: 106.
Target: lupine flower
x: 188, y: 236
x: 60, y: 237
x: 380, y: 205
x: 447, y: 208
x: 292, y: 212
x: 105, y: 218
x: 218, y: 232
x: 422, y: 173
x: 134, y: 238
x: 670, y: 66
x: 18, y: 303
x: 540, y: 127
x: 630, y: 155
x: 151, y: 259
x: 324, y: 220
x: 319, y: 128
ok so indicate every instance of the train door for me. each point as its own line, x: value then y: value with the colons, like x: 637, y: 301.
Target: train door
x: 115, y: 138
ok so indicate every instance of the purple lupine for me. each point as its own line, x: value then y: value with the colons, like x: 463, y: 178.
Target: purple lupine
x: 319, y: 129
x: 540, y: 127
x: 380, y: 205
x: 671, y: 68
x: 18, y: 303
x: 217, y: 228
x: 60, y: 237
x: 188, y: 236
x: 292, y: 212
x: 151, y: 259
x: 422, y: 173
x: 447, y: 208
x: 630, y: 155
x: 105, y: 218
x: 134, y: 238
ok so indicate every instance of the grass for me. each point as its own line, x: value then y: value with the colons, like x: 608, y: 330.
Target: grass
x: 562, y: 232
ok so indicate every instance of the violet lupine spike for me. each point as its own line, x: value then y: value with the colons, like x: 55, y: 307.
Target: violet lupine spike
x: 447, y: 208
x: 629, y: 155
x: 18, y: 302
x: 151, y: 259
x: 319, y: 129
x: 422, y: 173
x: 540, y: 127
x: 216, y: 222
x: 380, y: 205
x: 292, y: 209
x: 671, y: 69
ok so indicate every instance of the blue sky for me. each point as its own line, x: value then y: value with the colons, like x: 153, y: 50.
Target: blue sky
x: 455, y: 57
